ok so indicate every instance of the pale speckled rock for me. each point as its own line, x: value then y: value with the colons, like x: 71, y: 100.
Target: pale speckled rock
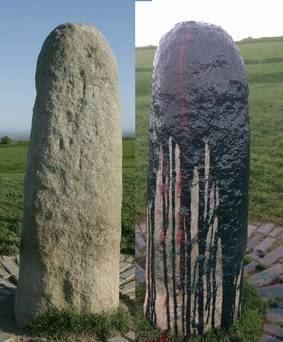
x: 73, y: 186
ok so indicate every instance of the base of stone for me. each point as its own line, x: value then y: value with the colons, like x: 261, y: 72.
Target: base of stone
x: 9, y: 270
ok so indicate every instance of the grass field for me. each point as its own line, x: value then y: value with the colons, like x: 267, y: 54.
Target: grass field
x: 12, y: 169
x: 264, y: 61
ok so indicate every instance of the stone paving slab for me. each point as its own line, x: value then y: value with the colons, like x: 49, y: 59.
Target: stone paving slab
x: 253, y: 255
x: 276, y: 231
x: 117, y: 339
x: 273, y: 330
x: 251, y: 229
x: 272, y: 291
x: 4, y: 274
x: 140, y: 244
x: 263, y: 246
x: 9, y: 263
x: 127, y: 274
x: 265, y: 272
x: 274, y: 315
x: 6, y: 283
x: 9, y: 267
x: 129, y: 337
x: 266, y: 228
x: 251, y: 267
x: 140, y: 276
x: 267, y: 277
x: 268, y: 338
x: 254, y: 241
x: 9, y: 270
x: 6, y: 338
x: 273, y: 256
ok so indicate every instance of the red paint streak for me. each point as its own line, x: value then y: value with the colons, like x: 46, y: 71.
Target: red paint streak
x: 160, y: 339
x: 181, y: 90
x: 179, y: 237
x: 178, y: 185
x: 163, y: 188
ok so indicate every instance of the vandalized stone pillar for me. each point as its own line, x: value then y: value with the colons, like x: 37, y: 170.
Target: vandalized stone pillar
x: 198, y: 181
x: 70, y: 247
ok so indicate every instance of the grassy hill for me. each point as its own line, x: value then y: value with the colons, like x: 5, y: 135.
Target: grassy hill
x: 264, y: 62
x: 12, y: 170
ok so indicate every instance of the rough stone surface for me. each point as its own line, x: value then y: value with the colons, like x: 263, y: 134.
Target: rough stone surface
x: 276, y: 231
x: 140, y: 244
x: 131, y: 336
x: 251, y: 229
x: 253, y: 256
x: 254, y: 241
x: 267, y: 277
x: 198, y: 181
x: 273, y: 330
x: 8, y: 326
x: 264, y: 245
x: 275, y: 315
x: 272, y: 291
x: 273, y: 256
x: 140, y: 276
x: 268, y: 338
x: 251, y: 267
x: 117, y: 339
x: 73, y: 185
x: 266, y: 228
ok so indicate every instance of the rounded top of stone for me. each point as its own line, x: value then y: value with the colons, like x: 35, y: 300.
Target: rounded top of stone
x: 68, y: 26
x: 78, y: 46
x: 193, y: 29
x: 76, y: 36
x: 80, y: 33
x: 204, y: 43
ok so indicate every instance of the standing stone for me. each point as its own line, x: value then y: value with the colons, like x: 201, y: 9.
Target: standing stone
x: 198, y: 181
x: 71, y: 230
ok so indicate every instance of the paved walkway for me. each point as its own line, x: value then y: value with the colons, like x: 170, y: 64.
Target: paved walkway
x: 264, y: 270
x: 9, y: 269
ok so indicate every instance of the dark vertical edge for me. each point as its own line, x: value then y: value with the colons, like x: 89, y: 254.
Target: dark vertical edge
x: 173, y: 239
x: 165, y: 207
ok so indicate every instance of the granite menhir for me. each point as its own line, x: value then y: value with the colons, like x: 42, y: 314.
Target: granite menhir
x: 198, y: 181
x: 69, y: 256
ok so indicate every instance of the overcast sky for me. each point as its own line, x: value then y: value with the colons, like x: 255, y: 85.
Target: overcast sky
x: 240, y: 18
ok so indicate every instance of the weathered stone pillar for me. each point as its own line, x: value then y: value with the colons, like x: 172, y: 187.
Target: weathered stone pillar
x: 198, y: 181
x: 71, y: 230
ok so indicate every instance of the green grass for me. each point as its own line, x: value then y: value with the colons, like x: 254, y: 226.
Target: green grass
x: 128, y: 210
x: 12, y: 170
x: 247, y: 329
x: 264, y: 62
x: 70, y: 326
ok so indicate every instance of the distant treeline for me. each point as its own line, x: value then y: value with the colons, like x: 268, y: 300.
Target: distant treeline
x: 243, y: 41
x: 260, y: 40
